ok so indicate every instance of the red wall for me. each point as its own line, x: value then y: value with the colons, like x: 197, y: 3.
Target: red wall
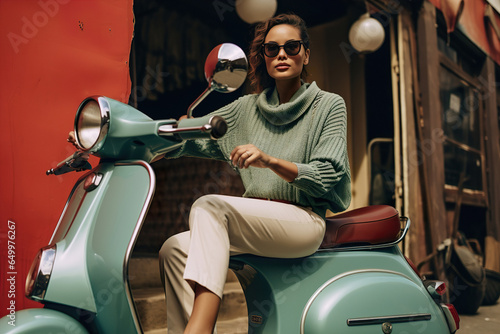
x: 53, y: 54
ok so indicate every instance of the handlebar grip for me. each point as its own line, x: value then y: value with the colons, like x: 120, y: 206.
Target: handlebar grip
x: 219, y: 127
x: 207, y: 127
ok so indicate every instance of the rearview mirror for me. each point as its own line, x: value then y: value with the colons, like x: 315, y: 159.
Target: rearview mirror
x: 225, y: 70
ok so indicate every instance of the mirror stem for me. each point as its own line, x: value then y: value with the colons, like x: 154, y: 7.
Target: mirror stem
x: 198, y: 100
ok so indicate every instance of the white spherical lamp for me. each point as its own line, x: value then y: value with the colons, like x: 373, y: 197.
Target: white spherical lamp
x: 252, y: 11
x: 366, y: 34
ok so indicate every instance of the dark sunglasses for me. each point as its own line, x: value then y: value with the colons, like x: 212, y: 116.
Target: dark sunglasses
x: 291, y: 48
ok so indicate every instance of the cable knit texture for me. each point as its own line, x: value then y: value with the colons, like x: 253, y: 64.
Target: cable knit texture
x: 309, y: 130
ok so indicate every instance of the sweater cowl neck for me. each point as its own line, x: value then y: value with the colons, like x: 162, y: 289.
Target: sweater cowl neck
x: 285, y: 113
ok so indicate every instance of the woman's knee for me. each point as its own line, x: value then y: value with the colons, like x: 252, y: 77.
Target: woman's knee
x: 208, y: 201
x: 174, y: 247
x: 208, y: 208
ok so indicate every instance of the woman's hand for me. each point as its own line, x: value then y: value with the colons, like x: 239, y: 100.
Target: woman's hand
x: 244, y: 156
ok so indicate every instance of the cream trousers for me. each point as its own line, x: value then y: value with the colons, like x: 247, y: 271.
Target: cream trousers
x: 221, y: 226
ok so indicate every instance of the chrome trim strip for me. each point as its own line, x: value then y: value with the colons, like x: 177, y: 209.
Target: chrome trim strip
x: 105, y: 119
x: 336, y: 278
x: 168, y: 129
x: 392, y: 319
x: 133, y: 239
x: 364, y: 247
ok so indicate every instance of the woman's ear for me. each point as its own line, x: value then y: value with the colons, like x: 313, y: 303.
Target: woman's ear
x: 306, y: 58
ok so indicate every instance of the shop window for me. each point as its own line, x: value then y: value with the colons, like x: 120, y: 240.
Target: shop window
x: 461, y: 101
x: 461, y: 126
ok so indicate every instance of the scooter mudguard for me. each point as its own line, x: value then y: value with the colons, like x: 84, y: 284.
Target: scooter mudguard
x: 40, y: 321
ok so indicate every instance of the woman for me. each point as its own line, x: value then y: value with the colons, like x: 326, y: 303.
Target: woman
x: 288, y: 144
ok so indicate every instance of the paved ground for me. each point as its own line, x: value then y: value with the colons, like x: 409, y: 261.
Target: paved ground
x: 486, y: 321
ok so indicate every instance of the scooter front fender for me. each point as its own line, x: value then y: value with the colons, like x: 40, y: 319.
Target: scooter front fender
x: 40, y: 321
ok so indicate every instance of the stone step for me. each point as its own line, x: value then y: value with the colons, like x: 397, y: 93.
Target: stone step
x: 149, y: 298
x: 144, y: 272
x: 150, y: 305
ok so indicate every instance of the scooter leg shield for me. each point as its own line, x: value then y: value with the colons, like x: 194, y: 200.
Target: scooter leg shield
x: 40, y: 321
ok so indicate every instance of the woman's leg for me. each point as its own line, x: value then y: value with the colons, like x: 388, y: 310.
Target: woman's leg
x: 222, y: 226
x: 180, y: 295
x: 205, y: 311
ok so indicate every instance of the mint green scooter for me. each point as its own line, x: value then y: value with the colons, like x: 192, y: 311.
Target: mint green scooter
x: 357, y: 282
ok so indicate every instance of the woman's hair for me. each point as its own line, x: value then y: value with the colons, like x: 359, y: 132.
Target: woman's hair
x: 259, y: 78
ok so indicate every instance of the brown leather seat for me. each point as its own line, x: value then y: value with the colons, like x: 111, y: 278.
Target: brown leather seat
x: 372, y: 225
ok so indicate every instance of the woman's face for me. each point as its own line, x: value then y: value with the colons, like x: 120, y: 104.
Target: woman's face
x: 284, y: 66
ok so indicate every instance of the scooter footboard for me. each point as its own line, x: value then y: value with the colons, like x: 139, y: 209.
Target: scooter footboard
x: 372, y: 301
x: 40, y: 321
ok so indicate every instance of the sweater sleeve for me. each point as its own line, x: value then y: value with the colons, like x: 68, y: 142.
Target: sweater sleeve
x: 328, y: 168
x: 209, y: 148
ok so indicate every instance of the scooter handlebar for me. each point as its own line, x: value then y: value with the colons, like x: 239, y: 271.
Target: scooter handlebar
x: 208, y: 127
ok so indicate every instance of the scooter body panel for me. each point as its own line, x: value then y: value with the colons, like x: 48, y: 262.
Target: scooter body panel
x: 132, y: 134
x: 94, y: 240
x: 371, y: 300
x: 36, y: 321
x: 278, y: 291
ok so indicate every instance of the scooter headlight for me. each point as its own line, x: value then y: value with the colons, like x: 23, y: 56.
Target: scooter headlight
x: 91, y: 123
x: 39, y: 274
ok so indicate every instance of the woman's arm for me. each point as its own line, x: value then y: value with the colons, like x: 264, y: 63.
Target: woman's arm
x: 244, y: 156
x: 328, y: 164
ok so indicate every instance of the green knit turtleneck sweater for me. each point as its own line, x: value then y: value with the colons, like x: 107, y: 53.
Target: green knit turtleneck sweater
x: 309, y: 130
